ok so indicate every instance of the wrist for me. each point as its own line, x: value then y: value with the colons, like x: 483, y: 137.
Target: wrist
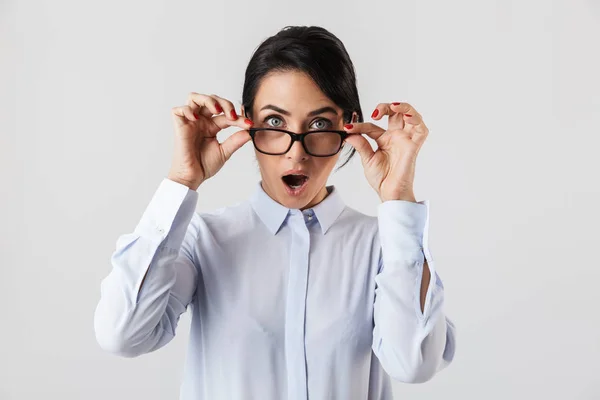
x: 402, y: 196
x: 193, y: 185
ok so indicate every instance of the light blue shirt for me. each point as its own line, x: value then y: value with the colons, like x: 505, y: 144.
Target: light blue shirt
x: 286, y: 304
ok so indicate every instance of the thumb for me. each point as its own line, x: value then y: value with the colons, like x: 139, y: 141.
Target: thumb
x: 234, y: 142
x: 362, y: 146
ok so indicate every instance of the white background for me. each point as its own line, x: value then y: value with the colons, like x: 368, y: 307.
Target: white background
x: 509, y: 89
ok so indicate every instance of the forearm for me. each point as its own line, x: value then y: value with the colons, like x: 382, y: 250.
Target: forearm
x: 149, y: 284
x: 410, y: 335
x: 128, y: 321
x: 425, y: 279
x: 410, y: 327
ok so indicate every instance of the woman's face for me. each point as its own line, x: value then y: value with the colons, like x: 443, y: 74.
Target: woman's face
x: 292, y: 101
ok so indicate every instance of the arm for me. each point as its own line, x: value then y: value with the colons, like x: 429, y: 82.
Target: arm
x: 412, y: 337
x: 425, y: 280
x: 153, y: 278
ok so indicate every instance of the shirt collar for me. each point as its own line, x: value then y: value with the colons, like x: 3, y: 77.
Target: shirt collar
x: 273, y: 214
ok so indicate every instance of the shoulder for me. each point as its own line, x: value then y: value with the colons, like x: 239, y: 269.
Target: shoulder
x: 225, y: 220
x: 357, y: 230
x: 351, y: 218
x: 353, y: 215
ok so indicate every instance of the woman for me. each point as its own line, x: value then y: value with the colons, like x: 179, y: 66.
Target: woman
x: 293, y: 294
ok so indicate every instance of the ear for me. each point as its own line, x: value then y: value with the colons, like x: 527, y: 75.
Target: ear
x: 243, y: 111
x: 354, y: 117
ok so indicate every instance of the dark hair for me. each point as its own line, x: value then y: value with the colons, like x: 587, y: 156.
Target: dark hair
x: 314, y: 51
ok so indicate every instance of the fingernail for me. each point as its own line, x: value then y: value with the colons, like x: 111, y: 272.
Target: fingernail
x: 196, y: 115
x: 233, y: 114
x: 396, y: 103
x: 249, y: 122
x: 408, y: 115
x: 375, y: 113
x: 218, y: 107
x: 348, y: 126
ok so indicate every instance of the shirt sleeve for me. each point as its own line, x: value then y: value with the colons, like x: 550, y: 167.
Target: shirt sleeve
x: 411, y: 345
x: 153, y: 276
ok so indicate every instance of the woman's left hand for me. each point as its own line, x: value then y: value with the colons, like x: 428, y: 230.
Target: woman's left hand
x: 390, y: 169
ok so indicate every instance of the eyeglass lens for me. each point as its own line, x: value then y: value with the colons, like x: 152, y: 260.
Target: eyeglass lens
x: 317, y: 143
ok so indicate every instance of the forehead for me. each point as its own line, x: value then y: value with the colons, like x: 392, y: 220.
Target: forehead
x: 293, y: 91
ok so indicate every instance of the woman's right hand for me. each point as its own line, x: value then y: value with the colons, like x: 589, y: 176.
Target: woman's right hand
x: 198, y: 153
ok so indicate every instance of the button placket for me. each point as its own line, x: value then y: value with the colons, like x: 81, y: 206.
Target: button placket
x: 308, y: 215
x: 296, y: 307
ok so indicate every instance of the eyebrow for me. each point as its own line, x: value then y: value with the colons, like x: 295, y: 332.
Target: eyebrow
x: 310, y: 114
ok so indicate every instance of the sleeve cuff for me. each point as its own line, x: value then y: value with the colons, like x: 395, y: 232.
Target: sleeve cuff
x: 404, y: 236
x: 169, y: 213
x: 403, y: 227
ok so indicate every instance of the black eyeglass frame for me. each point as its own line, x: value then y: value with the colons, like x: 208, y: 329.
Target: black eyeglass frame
x: 298, y: 137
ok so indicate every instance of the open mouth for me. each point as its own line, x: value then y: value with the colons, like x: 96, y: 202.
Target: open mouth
x: 295, y: 182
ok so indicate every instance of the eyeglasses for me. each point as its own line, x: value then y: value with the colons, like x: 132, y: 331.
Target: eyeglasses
x: 318, y: 143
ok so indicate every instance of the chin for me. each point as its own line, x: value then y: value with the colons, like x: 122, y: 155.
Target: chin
x: 295, y: 201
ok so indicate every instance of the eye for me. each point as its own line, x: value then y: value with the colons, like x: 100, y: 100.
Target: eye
x: 321, y: 124
x: 277, y: 124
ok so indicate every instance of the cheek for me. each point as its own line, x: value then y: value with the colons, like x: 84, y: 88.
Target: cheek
x: 323, y: 167
x: 267, y: 165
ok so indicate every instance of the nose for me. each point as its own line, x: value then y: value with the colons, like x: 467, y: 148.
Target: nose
x: 297, y: 153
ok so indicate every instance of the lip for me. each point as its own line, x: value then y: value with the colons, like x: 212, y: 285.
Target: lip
x: 301, y: 189
x: 295, y: 192
x: 295, y: 172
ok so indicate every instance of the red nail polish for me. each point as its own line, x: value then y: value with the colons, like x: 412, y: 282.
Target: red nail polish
x: 233, y: 114
x: 218, y: 107
x: 396, y: 103
x: 408, y: 115
x: 375, y: 113
x: 348, y: 126
x: 249, y: 122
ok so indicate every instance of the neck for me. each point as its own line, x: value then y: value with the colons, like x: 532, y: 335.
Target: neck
x: 317, y: 199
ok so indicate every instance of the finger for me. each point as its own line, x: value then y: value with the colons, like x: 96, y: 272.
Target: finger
x: 401, y: 115
x: 395, y: 120
x: 222, y: 122
x: 234, y: 142
x: 227, y: 106
x: 413, y: 121
x: 380, y: 111
x: 200, y: 111
x: 419, y: 132
x: 362, y: 146
x: 201, y: 102
x: 409, y: 113
x: 183, y: 114
x: 373, y: 131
